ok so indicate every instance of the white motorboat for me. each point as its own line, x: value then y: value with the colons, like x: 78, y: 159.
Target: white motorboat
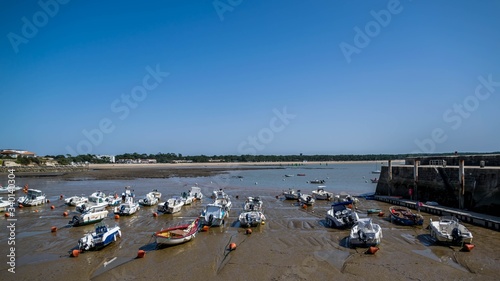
x: 291, y: 194
x: 128, y: 206
x: 321, y: 194
x: 101, y: 237
x: 365, y: 233
x: 187, y: 198
x: 340, y: 215
x: 172, y: 205
x: 252, y: 204
x: 7, y: 189
x: 450, y: 230
x: 93, y: 202
x: 194, y: 193
x: 221, y: 198
x: 214, y: 214
x: 4, y: 204
x: 84, y: 215
x: 76, y: 200
x: 113, y: 200
x: 150, y: 199
x: 33, y: 197
x: 306, y: 199
x: 251, y: 218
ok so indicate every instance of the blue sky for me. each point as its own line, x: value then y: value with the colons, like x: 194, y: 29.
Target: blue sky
x: 250, y: 77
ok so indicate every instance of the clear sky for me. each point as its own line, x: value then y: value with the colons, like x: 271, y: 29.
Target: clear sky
x: 250, y: 77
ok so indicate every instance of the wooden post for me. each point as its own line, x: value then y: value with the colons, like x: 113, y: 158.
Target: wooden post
x: 461, y: 175
x: 415, y: 178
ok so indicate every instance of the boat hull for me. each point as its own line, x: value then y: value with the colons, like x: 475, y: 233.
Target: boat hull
x: 404, y: 216
x: 178, y: 234
x: 449, y: 230
x: 88, y: 218
x: 364, y: 233
x: 94, y: 241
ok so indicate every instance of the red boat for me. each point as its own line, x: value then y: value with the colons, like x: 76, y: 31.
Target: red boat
x: 177, y: 234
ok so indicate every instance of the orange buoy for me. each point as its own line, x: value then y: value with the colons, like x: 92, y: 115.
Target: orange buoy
x: 232, y: 246
x: 52, y: 207
x: 65, y: 214
x: 372, y: 250
x: 205, y: 228
x: 248, y: 231
x: 21, y: 206
x: 141, y: 254
x: 349, y: 206
x: 304, y: 206
x: 155, y: 214
x: 381, y: 214
x: 117, y: 216
x: 7, y: 215
x: 468, y: 247
x: 53, y: 229
x: 36, y: 211
x: 75, y: 253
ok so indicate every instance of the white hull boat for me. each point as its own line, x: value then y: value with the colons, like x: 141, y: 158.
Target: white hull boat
x: 151, y: 199
x: 7, y: 189
x: 34, y: 197
x: 365, y: 233
x: 171, y: 206
x: 76, y: 200
x: 252, y: 204
x: 88, y: 216
x: 251, y: 218
x: 450, y: 230
x: 321, y: 194
x: 128, y: 206
x: 291, y: 194
x: 4, y: 204
x: 339, y: 216
x: 101, y: 237
x: 214, y: 215
x: 93, y: 202
x: 306, y: 199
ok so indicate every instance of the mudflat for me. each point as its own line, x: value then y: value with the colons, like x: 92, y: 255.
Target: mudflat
x: 293, y: 244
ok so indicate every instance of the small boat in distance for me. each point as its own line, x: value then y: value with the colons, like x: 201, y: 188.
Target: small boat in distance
x: 291, y: 194
x: 150, y: 199
x: 177, y: 234
x: 321, y: 194
x: 404, y: 216
x: 317, y: 181
x: 7, y: 189
x: 374, y: 180
x: 306, y: 199
x: 449, y: 230
x: 101, y: 237
x: 76, y: 200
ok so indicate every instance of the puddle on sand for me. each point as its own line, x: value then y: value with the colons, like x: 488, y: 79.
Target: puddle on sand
x: 334, y: 258
x: 444, y: 259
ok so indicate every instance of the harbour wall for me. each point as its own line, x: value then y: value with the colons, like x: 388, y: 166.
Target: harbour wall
x: 480, y: 192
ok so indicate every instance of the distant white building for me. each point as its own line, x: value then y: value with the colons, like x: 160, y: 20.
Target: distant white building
x: 16, y: 153
x: 111, y: 157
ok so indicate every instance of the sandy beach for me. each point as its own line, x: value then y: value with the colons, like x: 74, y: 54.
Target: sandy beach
x: 294, y: 244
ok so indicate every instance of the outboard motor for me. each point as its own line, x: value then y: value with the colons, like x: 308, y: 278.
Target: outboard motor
x: 456, y: 234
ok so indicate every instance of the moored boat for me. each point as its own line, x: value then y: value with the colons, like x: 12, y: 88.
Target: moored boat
x: 321, y: 194
x: 252, y: 204
x: 4, y: 204
x: 291, y: 194
x: 340, y: 215
x: 9, y: 189
x: 177, y: 234
x: 172, y: 205
x: 89, y: 215
x: 75, y: 200
x: 150, y: 199
x: 373, y: 211
x: 128, y: 206
x: 306, y: 199
x: 101, y: 237
x: 251, y: 218
x: 365, y: 233
x: 404, y: 216
x: 33, y: 197
x: 214, y: 215
x: 317, y: 181
x: 449, y: 230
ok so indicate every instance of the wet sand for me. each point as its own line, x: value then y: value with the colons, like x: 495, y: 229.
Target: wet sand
x: 294, y: 244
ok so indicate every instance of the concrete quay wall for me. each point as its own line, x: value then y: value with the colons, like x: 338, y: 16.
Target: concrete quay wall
x: 481, y: 191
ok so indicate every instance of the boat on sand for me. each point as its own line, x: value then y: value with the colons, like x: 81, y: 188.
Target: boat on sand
x: 177, y: 234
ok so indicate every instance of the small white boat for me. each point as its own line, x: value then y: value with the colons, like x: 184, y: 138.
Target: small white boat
x: 252, y: 204
x: 251, y: 218
x: 4, y: 204
x: 7, y: 189
x: 99, y: 194
x: 33, y: 197
x: 306, y: 199
x: 194, y: 194
x: 113, y: 200
x: 171, y: 206
x: 89, y: 215
x: 221, y: 198
x: 94, y: 202
x: 321, y: 194
x: 177, y: 234
x: 340, y: 215
x: 214, y: 215
x: 291, y: 194
x: 450, y: 230
x: 187, y: 198
x: 365, y: 233
x: 101, y: 237
x: 150, y: 199
x: 76, y: 200
x: 128, y: 206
